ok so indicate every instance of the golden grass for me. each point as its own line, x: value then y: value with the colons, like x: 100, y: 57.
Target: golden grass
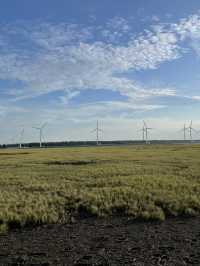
x: 52, y: 185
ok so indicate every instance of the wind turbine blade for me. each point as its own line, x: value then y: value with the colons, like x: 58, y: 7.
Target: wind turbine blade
x: 94, y: 130
x: 194, y: 129
x: 180, y: 130
x: 22, y: 134
x: 42, y: 137
x: 145, y: 125
x: 44, y: 125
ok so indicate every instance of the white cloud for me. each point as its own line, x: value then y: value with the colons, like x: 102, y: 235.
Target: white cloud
x: 69, y: 58
x: 115, y: 30
x: 189, y: 29
x: 155, y: 18
x: 53, y: 36
x: 119, y: 23
x: 119, y: 120
x: 63, y: 63
x: 77, y: 123
x: 194, y: 97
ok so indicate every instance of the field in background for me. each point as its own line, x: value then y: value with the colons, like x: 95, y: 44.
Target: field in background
x: 53, y: 185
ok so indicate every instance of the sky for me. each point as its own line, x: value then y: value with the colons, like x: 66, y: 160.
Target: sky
x: 71, y: 63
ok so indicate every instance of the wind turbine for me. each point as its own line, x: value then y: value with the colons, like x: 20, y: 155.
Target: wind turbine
x: 97, y: 130
x: 184, y: 129
x: 191, y: 129
x: 145, y: 130
x: 41, y: 133
x: 21, y: 138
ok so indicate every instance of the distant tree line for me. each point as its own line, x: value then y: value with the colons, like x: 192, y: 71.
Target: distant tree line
x: 92, y: 143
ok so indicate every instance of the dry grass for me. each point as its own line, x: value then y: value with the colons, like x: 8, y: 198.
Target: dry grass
x: 51, y: 185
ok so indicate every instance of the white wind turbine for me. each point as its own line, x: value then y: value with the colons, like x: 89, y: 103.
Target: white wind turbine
x: 145, y: 130
x: 191, y: 129
x: 41, y: 135
x: 97, y: 130
x: 184, y: 129
x: 21, y: 137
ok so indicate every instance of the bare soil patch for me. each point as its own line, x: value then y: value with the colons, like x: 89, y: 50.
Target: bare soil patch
x: 13, y: 153
x: 110, y: 241
x: 82, y: 162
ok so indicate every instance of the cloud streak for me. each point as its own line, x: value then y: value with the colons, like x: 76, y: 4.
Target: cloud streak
x: 66, y: 57
x: 72, y: 58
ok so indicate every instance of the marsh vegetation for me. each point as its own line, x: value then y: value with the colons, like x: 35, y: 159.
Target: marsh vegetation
x: 54, y: 185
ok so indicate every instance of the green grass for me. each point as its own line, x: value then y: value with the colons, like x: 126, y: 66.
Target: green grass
x: 52, y: 185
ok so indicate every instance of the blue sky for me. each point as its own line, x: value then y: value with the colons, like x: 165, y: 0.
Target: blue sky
x: 70, y: 63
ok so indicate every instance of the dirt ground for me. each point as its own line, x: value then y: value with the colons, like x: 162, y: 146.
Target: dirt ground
x: 113, y: 241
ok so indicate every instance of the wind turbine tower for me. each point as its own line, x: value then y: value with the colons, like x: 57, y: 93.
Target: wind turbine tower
x: 97, y: 130
x: 21, y: 138
x: 145, y: 131
x: 184, y: 131
x: 191, y: 129
x: 40, y: 133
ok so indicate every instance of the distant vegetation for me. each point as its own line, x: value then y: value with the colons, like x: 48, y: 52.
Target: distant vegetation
x: 55, y: 185
x: 93, y: 143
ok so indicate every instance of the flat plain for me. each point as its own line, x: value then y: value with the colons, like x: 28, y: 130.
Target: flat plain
x: 117, y: 205
x: 42, y: 186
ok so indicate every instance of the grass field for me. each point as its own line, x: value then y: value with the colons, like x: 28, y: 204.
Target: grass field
x: 53, y: 185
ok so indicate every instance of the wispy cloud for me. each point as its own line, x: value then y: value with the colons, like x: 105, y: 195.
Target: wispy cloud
x: 71, y: 58
x: 189, y: 29
x: 65, y: 57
